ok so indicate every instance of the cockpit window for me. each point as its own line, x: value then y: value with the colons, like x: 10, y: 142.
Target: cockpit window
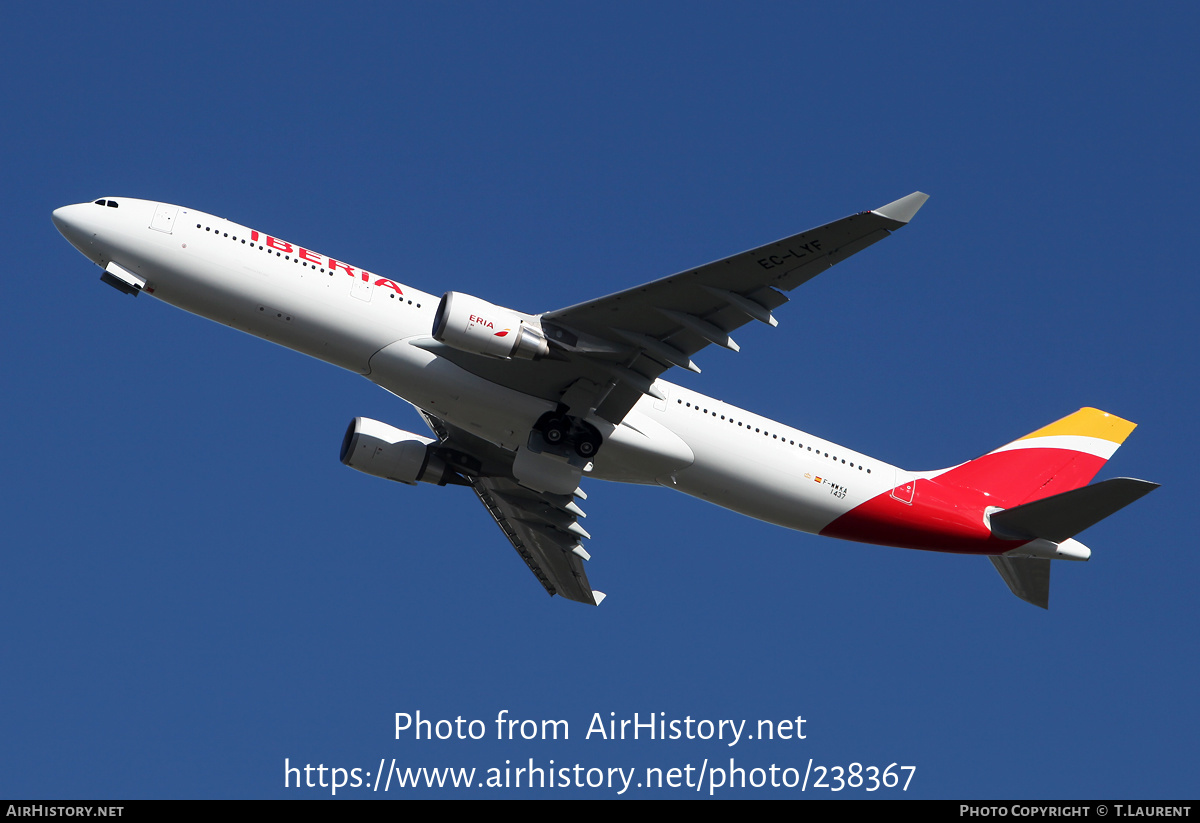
x: 112, y: 204
x: 100, y: 202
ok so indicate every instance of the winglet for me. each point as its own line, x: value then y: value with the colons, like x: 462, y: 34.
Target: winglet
x: 902, y: 210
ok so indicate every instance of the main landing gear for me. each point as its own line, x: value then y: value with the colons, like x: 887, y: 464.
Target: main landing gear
x: 562, y: 432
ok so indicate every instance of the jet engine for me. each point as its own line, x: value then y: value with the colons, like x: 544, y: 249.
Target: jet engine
x: 477, y: 326
x: 384, y: 451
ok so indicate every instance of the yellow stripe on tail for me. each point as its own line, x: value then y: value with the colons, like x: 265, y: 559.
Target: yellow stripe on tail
x: 1088, y: 423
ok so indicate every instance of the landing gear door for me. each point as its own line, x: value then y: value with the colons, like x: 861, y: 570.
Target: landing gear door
x: 164, y: 218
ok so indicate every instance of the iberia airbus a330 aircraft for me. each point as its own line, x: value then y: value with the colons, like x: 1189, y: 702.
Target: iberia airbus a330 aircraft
x: 522, y: 406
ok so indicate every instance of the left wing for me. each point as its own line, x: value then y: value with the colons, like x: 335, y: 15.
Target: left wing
x: 542, y: 527
x: 606, y: 353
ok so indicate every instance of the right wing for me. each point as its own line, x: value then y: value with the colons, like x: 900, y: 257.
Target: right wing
x: 535, y: 524
x: 542, y: 527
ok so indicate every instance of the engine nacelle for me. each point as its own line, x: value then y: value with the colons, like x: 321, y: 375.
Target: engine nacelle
x: 384, y: 451
x: 477, y: 326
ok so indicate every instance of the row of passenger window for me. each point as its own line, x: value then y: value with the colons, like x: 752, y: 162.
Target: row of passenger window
x: 817, y: 452
x: 305, y: 263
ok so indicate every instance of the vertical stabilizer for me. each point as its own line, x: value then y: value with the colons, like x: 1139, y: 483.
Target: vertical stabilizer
x: 1062, y: 456
x: 1036, y: 489
x: 1027, y: 577
x: 1051, y: 502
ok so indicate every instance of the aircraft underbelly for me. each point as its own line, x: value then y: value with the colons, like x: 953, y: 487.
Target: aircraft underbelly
x: 292, y: 313
x: 761, y: 492
x: 641, y: 450
x: 498, y: 414
x: 766, y: 470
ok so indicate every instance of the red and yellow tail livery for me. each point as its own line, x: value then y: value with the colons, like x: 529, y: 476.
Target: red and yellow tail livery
x: 1021, y: 502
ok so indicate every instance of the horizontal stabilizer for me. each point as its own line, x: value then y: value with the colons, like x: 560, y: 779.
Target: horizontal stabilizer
x: 1065, y: 515
x: 1027, y: 577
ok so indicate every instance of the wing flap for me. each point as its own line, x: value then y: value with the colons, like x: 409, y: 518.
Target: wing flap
x: 553, y: 554
x: 542, y: 527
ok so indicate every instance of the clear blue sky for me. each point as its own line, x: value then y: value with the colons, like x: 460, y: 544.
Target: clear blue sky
x: 195, y: 588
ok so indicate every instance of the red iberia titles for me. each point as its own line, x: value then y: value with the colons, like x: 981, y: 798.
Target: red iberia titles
x: 321, y: 260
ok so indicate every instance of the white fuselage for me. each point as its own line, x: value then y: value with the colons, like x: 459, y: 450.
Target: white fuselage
x: 367, y: 324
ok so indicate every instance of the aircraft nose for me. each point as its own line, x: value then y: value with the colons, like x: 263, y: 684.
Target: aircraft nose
x: 72, y: 223
x: 60, y: 218
x: 67, y: 220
